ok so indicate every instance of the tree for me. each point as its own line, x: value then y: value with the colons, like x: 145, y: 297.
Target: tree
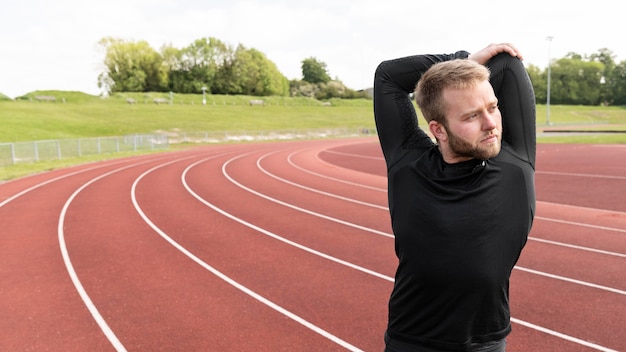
x: 314, y: 71
x: 225, y: 82
x: 196, y: 65
x: 575, y: 81
x: 608, y: 87
x: 207, y: 62
x: 618, y: 82
x: 539, y: 82
x: 131, y: 67
x: 249, y: 72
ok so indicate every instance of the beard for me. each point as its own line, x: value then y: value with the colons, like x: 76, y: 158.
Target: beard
x: 463, y: 148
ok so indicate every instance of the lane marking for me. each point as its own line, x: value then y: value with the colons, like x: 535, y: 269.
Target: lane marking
x: 292, y: 163
x: 284, y: 240
x: 108, y: 332
x: 600, y: 251
x: 330, y: 151
x: 582, y: 248
x: 536, y: 272
x: 562, y: 336
x: 598, y: 227
x: 580, y: 207
x: 216, y: 272
x: 339, y: 261
x: 306, y: 211
x: 274, y: 176
x: 58, y: 178
x: 516, y: 320
x: 573, y: 281
x: 581, y: 175
x: 110, y: 335
x: 517, y: 267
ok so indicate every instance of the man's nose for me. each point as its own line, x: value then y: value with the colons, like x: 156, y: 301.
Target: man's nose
x: 489, y: 122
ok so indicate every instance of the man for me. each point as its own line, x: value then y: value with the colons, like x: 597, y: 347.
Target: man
x: 461, y: 209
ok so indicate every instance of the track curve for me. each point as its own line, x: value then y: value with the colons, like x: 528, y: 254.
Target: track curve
x: 280, y: 246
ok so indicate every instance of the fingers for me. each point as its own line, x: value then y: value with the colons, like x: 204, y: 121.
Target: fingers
x: 492, y: 50
x: 509, y: 48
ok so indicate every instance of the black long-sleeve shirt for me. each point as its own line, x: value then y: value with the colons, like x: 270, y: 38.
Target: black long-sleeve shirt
x: 459, y: 228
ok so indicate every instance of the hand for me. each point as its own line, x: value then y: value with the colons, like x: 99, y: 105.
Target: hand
x: 492, y: 50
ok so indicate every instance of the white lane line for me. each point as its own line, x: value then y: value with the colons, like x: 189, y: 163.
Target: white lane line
x: 562, y: 278
x: 327, y: 194
x: 58, y: 178
x: 219, y: 274
x: 599, y: 251
x: 606, y: 228
x: 68, y: 175
x: 517, y: 267
x: 540, y: 273
x: 562, y: 336
x: 41, y: 184
x: 579, y: 207
x: 282, y: 239
x: 306, y: 211
x: 110, y: 335
x: 555, y: 243
x: 542, y: 329
x: 573, y: 281
x: 581, y: 175
x: 330, y: 151
x: 292, y: 163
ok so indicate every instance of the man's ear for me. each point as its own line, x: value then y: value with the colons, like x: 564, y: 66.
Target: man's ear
x: 438, y: 130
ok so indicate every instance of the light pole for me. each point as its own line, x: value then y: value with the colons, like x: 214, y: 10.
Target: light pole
x: 549, y: 39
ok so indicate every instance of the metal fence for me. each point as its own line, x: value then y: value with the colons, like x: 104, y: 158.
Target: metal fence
x: 260, y: 136
x: 30, y: 152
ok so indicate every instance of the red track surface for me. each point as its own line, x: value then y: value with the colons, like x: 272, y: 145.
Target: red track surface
x: 281, y: 247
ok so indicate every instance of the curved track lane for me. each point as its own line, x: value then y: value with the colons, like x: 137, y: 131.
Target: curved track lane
x: 280, y: 246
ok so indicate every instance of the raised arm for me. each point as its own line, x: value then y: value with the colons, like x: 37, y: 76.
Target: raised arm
x: 516, y: 101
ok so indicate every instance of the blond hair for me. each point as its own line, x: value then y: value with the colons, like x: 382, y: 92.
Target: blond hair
x: 456, y: 74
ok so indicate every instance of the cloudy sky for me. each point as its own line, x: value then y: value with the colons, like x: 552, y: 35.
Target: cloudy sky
x: 54, y: 44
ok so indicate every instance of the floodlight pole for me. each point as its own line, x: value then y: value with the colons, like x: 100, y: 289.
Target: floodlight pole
x: 549, y: 39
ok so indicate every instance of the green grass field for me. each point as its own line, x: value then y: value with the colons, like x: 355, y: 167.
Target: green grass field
x: 79, y: 115
x: 83, y: 116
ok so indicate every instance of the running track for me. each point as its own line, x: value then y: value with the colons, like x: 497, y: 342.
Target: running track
x: 280, y: 247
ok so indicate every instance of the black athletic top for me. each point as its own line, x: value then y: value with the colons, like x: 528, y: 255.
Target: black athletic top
x: 459, y: 228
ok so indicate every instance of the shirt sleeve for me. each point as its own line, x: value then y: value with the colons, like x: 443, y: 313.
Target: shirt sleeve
x: 516, y: 101
x: 394, y: 113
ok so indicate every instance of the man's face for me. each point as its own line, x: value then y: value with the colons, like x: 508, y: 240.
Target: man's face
x: 473, y: 122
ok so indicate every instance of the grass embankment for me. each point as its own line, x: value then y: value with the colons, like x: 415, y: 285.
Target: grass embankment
x: 82, y: 116
x: 79, y: 115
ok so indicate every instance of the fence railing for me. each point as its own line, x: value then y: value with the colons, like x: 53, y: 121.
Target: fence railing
x: 259, y: 136
x: 30, y: 152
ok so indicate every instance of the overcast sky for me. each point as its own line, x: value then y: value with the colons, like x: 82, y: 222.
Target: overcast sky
x: 53, y: 44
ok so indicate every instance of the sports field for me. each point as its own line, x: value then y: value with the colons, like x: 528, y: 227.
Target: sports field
x: 278, y: 245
